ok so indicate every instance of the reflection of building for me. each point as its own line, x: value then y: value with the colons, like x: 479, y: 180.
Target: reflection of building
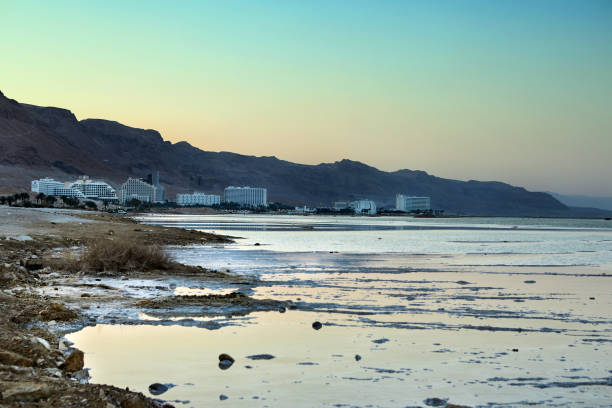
x: 198, y: 199
x: 95, y: 190
x: 247, y: 196
x: 411, y: 203
x: 51, y: 187
x: 137, y: 189
x: 364, y: 207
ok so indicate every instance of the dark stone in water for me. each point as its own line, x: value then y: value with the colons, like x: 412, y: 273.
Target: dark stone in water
x: 225, y: 361
x: 317, y: 325
x: 257, y: 244
x: 261, y: 357
x: 158, y: 389
x: 224, y: 356
x: 529, y: 281
x: 292, y: 307
x: 380, y: 341
x: 282, y: 309
x: 592, y: 298
x: 435, y: 402
x: 515, y: 350
x: 223, y: 397
x: 357, y: 357
x: 248, y: 367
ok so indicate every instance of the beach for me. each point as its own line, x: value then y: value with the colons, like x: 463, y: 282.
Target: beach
x: 319, y: 311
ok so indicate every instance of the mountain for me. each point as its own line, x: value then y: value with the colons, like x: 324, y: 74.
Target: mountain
x: 46, y: 141
x: 604, y: 203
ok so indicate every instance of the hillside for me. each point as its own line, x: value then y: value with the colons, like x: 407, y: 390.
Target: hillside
x: 46, y: 141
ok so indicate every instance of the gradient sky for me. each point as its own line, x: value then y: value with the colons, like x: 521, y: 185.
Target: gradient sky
x: 516, y: 91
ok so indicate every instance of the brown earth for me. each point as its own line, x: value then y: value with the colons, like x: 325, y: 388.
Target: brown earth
x: 38, y: 369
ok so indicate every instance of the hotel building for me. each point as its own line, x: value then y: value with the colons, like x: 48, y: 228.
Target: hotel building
x: 197, y: 199
x: 411, y: 203
x: 247, y: 196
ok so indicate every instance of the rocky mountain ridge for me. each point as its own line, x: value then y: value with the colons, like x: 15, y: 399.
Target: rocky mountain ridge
x: 47, y: 141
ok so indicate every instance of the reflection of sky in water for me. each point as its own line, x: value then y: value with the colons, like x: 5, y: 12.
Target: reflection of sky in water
x: 451, y: 323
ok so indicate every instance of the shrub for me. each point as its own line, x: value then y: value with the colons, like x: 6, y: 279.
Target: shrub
x: 105, y: 255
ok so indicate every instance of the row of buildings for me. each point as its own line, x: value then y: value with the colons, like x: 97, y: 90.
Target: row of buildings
x: 404, y: 203
x: 85, y: 188
x: 150, y: 191
x: 244, y: 196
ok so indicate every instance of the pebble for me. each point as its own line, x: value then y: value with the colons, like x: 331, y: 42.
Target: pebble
x: 223, y: 397
x: 317, y: 325
x: 158, y: 388
x: 357, y: 357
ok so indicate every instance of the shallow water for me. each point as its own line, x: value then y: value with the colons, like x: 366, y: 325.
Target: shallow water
x: 434, y: 308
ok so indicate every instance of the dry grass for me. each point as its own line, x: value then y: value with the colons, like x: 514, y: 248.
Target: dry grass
x: 105, y: 255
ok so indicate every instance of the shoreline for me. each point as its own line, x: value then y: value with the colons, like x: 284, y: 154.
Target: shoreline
x: 42, y: 303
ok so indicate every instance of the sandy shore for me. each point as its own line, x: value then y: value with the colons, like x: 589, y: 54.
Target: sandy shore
x: 41, y: 303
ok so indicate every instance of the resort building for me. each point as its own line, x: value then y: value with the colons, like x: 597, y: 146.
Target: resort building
x: 138, y: 189
x: 94, y: 189
x: 341, y: 205
x: 247, y: 196
x: 411, y: 203
x: 51, y: 187
x: 159, y: 190
x: 197, y: 199
x: 366, y: 207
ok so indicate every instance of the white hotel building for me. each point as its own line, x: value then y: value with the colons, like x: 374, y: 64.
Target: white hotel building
x: 411, y: 203
x: 138, y: 189
x: 197, y: 199
x: 51, y: 187
x: 247, y: 196
x: 364, y: 207
x: 95, y: 189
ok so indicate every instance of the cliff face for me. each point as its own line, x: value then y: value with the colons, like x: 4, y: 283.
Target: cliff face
x: 44, y: 141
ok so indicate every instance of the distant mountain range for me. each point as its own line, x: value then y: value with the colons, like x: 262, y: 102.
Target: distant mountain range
x: 46, y: 141
x: 605, y: 203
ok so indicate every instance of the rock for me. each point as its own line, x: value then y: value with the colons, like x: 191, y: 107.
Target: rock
x: 25, y: 392
x: 9, y: 358
x: 135, y: 401
x: 44, y: 342
x: 223, y: 397
x: 357, y: 357
x: 529, y: 281
x: 380, y: 341
x: 317, y: 325
x: 282, y: 309
x: 158, y: 388
x: 261, y: 357
x: 515, y: 350
x: 224, y: 356
x: 57, y: 312
x: 85, y: 295
x: 435, y: 402
x: 82, y: 376
x: 257, y: 244
x: 74, y: 362
x: 225, y: 361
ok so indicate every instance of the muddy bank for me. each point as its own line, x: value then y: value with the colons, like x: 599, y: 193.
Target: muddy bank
x: 42, y: 300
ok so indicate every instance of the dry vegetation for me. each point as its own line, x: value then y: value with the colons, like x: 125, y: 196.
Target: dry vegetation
x: 118, y: 256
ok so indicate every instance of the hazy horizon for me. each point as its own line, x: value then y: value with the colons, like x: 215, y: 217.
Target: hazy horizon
x: 516, y: 92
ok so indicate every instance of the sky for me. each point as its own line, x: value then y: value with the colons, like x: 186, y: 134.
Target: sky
x: 514, y: 91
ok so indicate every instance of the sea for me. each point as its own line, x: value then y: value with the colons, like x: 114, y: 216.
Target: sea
x: 482, y: 312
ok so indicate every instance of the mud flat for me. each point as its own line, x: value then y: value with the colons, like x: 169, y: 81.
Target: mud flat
x: 43, y: 297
